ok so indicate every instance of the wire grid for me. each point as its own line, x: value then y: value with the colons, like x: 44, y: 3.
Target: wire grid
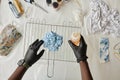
x: 116, y: 49
x: 37, y: 29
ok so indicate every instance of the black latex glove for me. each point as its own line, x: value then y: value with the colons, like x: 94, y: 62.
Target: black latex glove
x: 31, y: 56
x: 79, y: 51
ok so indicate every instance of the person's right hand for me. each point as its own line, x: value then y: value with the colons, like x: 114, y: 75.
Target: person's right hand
x: 31, y: 56
x: 79, y: 51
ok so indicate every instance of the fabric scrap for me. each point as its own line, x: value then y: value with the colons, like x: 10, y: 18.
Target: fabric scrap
x: 104, y: 50
x: 8, y: 37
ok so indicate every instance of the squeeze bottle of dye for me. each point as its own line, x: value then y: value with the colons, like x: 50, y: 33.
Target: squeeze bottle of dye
x: 75, y: 38
x: 14, y: 10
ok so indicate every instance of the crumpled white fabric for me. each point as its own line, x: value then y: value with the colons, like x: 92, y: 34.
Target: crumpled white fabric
x: 103, y: 19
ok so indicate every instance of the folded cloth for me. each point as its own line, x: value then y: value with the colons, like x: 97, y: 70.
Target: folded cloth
x: 8, y: 38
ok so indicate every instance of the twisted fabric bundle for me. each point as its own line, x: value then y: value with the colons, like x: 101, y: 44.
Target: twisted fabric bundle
x: 103, y: 19
x: 52, y: 41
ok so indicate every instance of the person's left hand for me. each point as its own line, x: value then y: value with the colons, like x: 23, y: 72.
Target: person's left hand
x: 79, y: 51
x: 31, y: 56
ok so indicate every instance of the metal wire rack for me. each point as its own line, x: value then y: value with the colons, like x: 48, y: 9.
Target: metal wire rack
x: 116, y: 49
x: 36, y: 29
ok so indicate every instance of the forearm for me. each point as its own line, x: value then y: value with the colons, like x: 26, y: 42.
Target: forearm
x: 85, y: 71
x: 18, y: 74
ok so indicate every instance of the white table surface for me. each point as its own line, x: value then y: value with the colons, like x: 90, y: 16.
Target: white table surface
x: 63, y: 70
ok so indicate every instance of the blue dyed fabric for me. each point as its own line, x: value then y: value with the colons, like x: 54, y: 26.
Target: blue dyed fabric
x: 104, y: 47
x: 52, y: 41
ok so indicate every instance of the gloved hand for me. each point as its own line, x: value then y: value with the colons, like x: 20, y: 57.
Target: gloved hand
x: 79, y: 51
x: 31, y: 56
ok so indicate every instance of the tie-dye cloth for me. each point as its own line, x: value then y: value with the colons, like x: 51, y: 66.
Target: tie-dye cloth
x: 104, y: 50
x: 8, y: 38
x: 52, y: 41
